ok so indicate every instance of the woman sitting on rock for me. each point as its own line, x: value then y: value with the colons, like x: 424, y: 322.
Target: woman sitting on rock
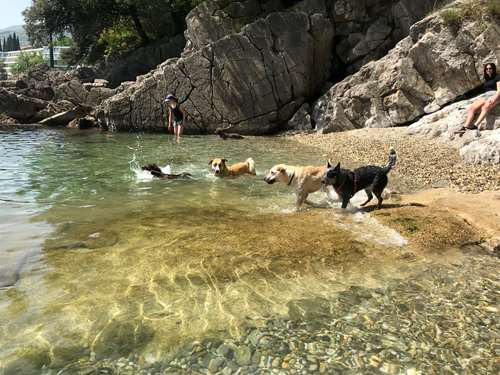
x: 487, y: 101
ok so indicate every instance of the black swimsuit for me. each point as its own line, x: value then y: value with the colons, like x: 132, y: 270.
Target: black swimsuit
x: 178, y: 115
x: 491, y: 84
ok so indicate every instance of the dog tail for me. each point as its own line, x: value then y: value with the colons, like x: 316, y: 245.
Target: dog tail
x: 251, y: 166
x: 392, y: 160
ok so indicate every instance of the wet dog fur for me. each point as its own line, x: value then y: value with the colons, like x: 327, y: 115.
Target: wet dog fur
x: 371, y: 178
x: 305, y: 180
x: 222, y: 132
x: 156, y: 171
x: 220, y: 168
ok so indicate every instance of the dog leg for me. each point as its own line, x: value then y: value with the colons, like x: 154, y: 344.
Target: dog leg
x: 301, y: 198
x: 345, y: 201
x: 370, y: 197
x: 378, y: 194
x: 379, y: 184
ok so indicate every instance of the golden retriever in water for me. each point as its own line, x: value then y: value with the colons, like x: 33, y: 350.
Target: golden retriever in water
x: 220, y: 168
x: 305, y: 180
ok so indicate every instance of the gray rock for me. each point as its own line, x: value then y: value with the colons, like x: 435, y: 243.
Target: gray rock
x: 477, y: 147
x: 20, y: 107
x: 243, y: 355
x: 215, y: 19
x: 215, y: 364
x: 254, y: 80
x: 86, y: 122
x: 425, y: 71
x: 301, y: 120
x: 63, y: 118
x: 225, y: 351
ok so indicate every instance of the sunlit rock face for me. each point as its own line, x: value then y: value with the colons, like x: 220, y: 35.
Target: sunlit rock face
x: 427, y: 70
x: 253, y: 64
x: 476, y: 147
x: 254, y: 79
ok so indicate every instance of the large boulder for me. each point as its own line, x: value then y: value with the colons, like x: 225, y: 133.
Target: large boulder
x: 85, y: 94
x: 254, y: 80
x: 430, y: 68
x: 20, y: 107
x: 478, y: 147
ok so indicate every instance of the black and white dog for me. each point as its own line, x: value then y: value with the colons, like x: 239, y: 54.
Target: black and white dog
x: 157, y: 172
x: 371, y: 178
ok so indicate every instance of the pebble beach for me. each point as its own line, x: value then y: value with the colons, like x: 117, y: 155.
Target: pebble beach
x: 422, y: 163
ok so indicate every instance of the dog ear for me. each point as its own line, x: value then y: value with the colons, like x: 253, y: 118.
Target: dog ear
x: 210, y: 162
x: 328, y: 164
x: 337, y: 167
x: 280, y: 169
x: 224, y: 161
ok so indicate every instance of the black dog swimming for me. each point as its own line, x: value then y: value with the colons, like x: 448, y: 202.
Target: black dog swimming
x: 221, y: 132
x: 371, y: 178
x: 156, y: 171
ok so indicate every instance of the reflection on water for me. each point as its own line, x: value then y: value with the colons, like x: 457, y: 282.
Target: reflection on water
x: 103, y: 261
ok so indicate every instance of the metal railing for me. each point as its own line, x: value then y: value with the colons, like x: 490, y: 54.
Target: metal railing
x: 10, y: 58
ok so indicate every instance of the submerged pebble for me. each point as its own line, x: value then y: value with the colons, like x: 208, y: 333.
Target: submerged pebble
x: 440, y: 320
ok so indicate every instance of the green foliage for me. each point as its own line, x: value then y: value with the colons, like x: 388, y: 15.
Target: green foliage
x: 452, y: 17
x: 108, y: 27
x: 493, y: 8
x: 25, y: 61
x: 63, y: 41
x: 471, y: 10
x: 119, y: 38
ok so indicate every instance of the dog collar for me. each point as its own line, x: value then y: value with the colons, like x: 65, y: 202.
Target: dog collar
x: 291, y: 179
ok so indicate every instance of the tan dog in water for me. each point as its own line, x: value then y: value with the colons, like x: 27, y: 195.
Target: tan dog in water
x: 305, y: 180
x: 220, y: 168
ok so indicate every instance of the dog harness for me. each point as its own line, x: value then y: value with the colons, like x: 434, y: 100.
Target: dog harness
x: 291, y: 179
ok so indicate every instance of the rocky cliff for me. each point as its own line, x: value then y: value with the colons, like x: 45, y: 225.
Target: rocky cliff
x: 252, y: 64
x: 432, y: 67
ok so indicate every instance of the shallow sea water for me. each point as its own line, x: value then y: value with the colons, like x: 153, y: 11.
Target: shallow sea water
x: 98, y: 259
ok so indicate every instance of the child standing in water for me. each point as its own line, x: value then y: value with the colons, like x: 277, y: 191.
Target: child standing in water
x: 176, y: 116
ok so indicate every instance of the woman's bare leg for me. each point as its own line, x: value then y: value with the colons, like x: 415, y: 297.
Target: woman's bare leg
x: 485, y: 109
x: 471, y: 111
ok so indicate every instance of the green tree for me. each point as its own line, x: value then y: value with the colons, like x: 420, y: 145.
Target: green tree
x: 95, y: 23
x: 26, y: 61
x: 63, y: 41
x: 9, y: 43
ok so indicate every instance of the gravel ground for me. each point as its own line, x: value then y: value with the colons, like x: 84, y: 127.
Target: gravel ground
x: 422, y: 163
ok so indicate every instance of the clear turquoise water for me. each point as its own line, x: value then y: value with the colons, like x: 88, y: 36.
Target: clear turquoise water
x: 97, y: 259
